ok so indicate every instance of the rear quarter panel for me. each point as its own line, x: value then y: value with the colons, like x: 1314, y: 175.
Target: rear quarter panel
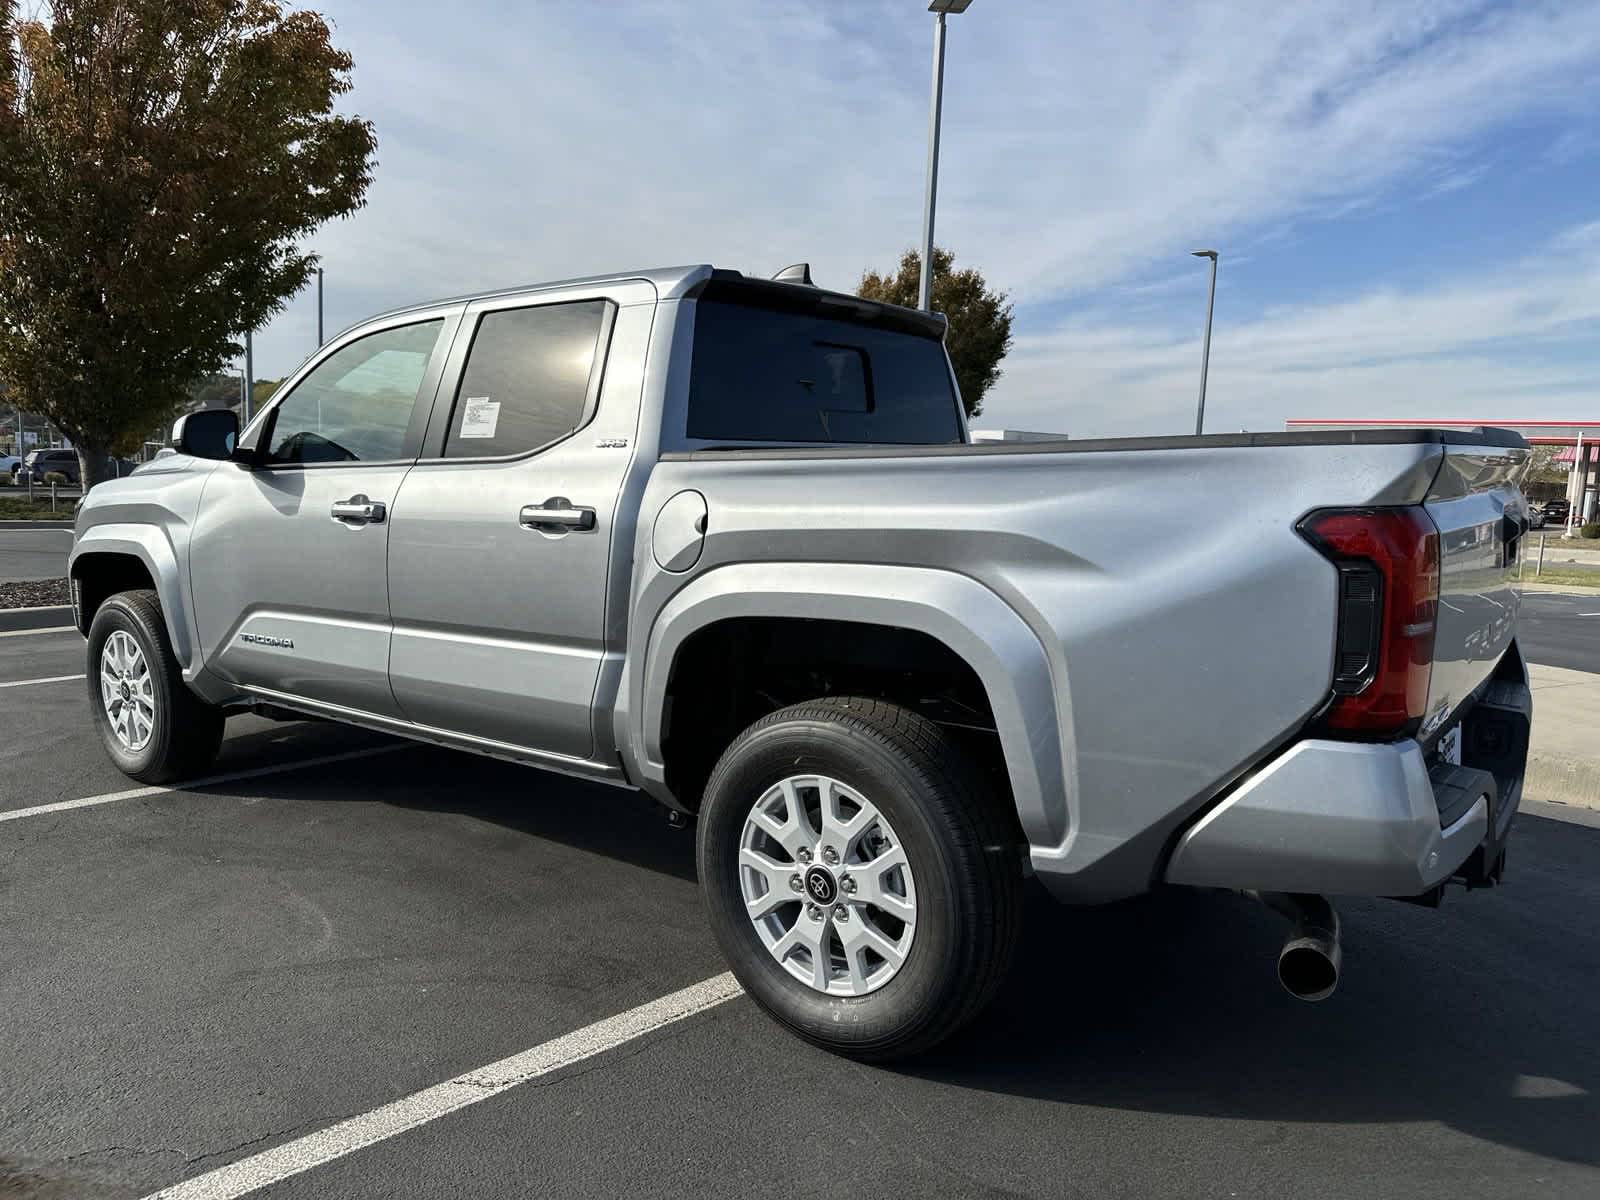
x: 1186, y: 626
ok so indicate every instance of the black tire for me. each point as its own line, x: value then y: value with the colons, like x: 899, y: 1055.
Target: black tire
x: 186, y: 731
x: 962, y: 852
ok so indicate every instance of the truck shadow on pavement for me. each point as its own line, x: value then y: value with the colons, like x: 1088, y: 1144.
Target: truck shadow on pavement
x: 1484, y: 1015
x: 620, y: 824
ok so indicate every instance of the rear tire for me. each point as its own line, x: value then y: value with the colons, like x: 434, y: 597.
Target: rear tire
x: 904, y: 789
x: 154, y: 728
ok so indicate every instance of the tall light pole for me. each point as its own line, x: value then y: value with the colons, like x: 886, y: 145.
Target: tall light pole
x: 249, y: 375
x: 1205, y: 352
x: 935, y: 108
x: 319, y: 306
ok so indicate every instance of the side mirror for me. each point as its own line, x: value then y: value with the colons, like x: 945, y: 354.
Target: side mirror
x: 210, y: 433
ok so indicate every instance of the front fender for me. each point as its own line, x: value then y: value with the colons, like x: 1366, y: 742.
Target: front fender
x: 956, y: 610
x: 151, y: 546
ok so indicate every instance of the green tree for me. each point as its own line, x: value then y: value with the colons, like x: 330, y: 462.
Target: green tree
x: 980, y: 320
x: 159, y: 161
x: 262, y: 390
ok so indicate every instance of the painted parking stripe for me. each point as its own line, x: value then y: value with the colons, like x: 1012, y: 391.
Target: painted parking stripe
x: 34, y: 632
x: 39, y: 810
x: 442, y: 1099
x: 48, y: 679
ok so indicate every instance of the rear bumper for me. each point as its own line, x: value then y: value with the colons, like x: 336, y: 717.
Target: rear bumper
x: 1346, y: 818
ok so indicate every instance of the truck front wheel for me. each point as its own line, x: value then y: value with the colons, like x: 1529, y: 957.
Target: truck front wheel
x: 859, y: 876
x: 154, y: 728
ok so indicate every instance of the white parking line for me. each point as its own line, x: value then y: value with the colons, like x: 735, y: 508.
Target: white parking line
x: 32, y: 632
x: 49, y: 679
x: 442, y: 1099
x: 39, y: 810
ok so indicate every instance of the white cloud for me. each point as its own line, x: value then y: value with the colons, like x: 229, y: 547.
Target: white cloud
x: 1496, y: 343
x: 1085, y: 144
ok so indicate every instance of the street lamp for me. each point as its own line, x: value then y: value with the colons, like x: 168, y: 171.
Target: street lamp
x: 939, y: 8
x: 249, y: 380
x: 1205, y: 353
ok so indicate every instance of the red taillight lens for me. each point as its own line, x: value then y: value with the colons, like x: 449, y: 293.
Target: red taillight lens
x: 1388, y: 560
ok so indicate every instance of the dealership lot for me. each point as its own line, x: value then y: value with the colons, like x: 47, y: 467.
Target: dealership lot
x: 193, y: 978
x: 33, y: 553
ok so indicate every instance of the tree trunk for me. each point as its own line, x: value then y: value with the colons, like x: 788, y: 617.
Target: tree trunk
x: 94, y: 466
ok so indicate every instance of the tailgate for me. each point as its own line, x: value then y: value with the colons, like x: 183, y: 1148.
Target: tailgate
x: 1477, y: 503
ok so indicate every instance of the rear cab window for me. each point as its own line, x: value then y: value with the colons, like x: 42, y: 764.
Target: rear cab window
x: 528, y: 379
x: 780, y: 363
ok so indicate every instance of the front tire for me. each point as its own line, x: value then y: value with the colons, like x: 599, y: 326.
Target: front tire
x: 153, y: 727
x: 859, y: 876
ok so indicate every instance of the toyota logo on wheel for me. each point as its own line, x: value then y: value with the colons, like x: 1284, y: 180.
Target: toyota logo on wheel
x: 820, y: 885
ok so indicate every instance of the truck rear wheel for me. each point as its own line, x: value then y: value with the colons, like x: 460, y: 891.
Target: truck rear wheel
x: 859, y: 876
x: 154, y: 728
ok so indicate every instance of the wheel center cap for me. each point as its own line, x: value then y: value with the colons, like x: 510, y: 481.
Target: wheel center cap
x: 821, y: 886
x: 127, y: 692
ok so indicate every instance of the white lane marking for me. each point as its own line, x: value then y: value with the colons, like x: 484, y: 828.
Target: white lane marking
x: 37, y: 608
x: 40, y: 810
x: 1589, y: 614
x: 32, y: 632
x: 442, y: 1099
x: 49, y: 679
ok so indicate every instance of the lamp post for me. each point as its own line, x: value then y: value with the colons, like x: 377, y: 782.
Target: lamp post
x: 1205, y: 352
x: 319, y: 306
x: 936, y: 106
x: 249, y: 375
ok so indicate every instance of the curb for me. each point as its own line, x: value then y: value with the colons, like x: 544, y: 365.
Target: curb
x: 1563, y: 779
x: 64, y: 526
x: 15, y: 619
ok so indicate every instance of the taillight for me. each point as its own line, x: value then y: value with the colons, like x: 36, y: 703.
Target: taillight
x: 1388, y: 562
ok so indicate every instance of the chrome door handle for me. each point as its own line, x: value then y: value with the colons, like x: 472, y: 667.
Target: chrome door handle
x: 556, y: 514
x: 359, y: 509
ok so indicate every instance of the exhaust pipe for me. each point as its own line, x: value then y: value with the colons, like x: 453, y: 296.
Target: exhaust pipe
x: 1308, y: 964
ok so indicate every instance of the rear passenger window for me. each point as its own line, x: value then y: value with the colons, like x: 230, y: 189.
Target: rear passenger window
x: 526, y: 383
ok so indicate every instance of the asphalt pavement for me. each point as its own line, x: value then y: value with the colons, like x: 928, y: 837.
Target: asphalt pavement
x: 33, y: 553
x: 200, y: 977
x: 1560, y: 629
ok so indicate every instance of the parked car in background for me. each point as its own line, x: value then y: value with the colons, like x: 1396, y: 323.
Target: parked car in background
x: 40, y: 463
x: 1557, y: 511
x: 1535, y: 518
x: 10, y: 464
x: 724, y: 539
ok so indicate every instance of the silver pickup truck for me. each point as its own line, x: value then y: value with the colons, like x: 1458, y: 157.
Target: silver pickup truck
x: 724, y: 540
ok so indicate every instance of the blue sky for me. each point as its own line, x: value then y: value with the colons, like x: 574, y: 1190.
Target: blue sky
x: 1406, y: 196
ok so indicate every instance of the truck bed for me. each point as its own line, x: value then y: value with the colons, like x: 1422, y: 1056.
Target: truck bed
x: 1182, y: 652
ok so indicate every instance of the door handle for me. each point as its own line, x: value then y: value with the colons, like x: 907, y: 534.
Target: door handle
x: 360, y: 510
x: 556, y: 515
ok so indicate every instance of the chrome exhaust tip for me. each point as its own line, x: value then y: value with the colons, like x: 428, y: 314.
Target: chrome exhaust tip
x: 1309, y: 963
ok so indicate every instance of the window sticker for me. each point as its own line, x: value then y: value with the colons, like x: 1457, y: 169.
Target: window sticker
x: 481, y: 418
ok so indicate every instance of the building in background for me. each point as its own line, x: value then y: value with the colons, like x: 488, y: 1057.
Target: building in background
x: 978, y: 436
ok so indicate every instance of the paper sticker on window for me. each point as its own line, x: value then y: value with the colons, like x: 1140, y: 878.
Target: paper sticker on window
x: 481, y: 418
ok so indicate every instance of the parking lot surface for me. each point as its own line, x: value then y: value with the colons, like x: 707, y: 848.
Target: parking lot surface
x: 193, y: 978
x: 33, y: 553
x: 1561, y: 629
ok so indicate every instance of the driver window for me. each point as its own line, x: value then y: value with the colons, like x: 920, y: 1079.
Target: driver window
x: 356, y: 404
